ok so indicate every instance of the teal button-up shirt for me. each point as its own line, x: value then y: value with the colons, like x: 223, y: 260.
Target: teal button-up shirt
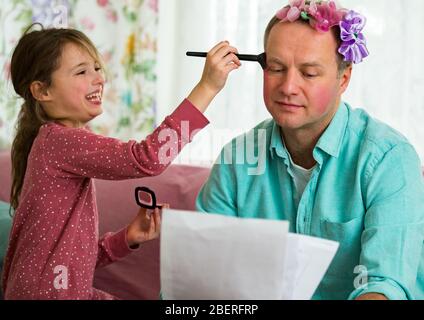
x: 366, y: 192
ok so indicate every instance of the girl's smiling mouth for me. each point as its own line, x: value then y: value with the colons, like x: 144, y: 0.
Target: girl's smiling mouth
x: 95, y: 97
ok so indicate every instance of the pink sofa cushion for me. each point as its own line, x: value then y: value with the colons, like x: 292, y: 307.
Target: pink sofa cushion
x: 138, y: 275
x: 5, y: 176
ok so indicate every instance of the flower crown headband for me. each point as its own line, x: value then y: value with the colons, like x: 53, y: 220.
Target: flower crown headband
x: 322, y: 16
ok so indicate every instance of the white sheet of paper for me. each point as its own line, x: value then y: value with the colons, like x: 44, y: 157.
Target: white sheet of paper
x: 215, y: 257
x: 307, y: 260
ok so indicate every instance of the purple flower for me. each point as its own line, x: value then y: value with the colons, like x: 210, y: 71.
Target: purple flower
x: 353, y: 46
x: 48, y: 12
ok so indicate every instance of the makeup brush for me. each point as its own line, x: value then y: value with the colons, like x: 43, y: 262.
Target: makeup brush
x: 260, y: 58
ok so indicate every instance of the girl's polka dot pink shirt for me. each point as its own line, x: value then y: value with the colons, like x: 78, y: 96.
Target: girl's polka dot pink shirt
x: 54, y: 243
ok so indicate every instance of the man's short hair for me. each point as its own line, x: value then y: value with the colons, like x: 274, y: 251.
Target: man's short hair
x: 341, y: 63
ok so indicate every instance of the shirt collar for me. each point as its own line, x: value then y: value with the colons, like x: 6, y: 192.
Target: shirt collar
x: 276, y: 146
x: 332, y: 138
x: 330, y: 141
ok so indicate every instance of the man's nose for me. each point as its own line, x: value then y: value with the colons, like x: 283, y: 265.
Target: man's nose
x: 290, y: 83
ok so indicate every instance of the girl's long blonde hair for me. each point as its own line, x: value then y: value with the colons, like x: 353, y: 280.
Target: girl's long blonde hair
x: 35, y: 58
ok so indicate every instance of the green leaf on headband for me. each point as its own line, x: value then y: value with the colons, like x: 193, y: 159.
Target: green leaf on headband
x: 304, y: 15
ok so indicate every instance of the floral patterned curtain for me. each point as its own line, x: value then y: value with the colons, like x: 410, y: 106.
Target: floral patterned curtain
x: 124, y: 31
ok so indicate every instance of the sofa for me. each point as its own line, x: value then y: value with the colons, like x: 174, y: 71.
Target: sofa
x: 137, y: 276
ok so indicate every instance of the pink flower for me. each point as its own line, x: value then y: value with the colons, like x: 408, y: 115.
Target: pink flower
x: 322, y: 15
x: 326, y: 16
x: 291, y: 12
x: 297, y: 3
x: 153, y: 4
x: 112, y: 15
x: 103, y: 3
x: 282, y: 14
x: 87, y: 23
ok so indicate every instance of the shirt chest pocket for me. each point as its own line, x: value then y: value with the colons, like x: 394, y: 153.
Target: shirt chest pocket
x: 348, y: 235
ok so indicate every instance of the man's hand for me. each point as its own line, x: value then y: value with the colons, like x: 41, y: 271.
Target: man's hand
x: 145, y: 226
x: 372, y: 296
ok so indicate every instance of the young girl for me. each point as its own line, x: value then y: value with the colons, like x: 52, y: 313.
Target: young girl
x: 54, y: 246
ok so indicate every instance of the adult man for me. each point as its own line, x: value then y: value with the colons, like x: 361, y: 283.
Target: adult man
x: 331, y: 171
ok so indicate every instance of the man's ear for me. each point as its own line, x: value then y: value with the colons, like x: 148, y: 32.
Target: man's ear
x: 39, y: 91
x: 345, y: 78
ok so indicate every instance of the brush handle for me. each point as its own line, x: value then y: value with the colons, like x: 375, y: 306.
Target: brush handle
x: 260, y: 58
x: 243, y: 57
x: 196, y: 54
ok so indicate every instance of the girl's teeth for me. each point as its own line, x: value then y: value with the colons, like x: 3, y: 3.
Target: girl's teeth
x: 94, y: 97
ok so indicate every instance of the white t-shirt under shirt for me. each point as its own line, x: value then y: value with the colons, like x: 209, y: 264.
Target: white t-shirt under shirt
x: 301, y: 177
